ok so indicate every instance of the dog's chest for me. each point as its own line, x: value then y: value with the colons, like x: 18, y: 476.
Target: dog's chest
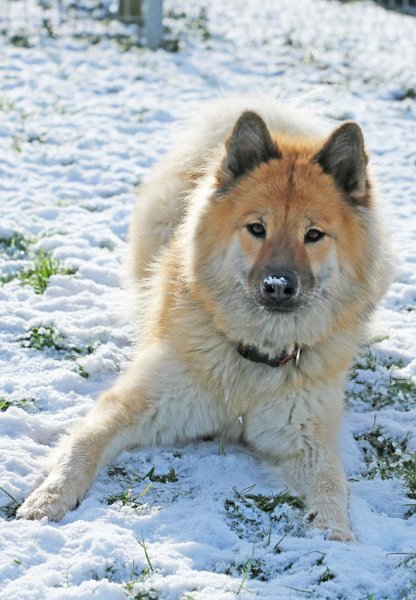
x: 239, y: 383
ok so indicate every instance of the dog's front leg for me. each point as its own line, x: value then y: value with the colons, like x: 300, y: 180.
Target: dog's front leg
x: 96, y: 440
x: 317, y: 474
x: 304, y: 445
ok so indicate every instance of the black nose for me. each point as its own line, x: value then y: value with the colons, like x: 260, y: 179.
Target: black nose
x: 280, y: 286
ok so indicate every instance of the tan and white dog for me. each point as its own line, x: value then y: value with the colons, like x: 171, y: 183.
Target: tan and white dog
x: 257, y: 249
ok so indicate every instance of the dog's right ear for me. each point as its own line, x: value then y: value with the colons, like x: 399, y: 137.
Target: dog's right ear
x: 249, y: 145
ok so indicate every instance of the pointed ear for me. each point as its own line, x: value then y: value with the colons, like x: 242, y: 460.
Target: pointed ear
x: 249, y: 145
x: 343, y: 157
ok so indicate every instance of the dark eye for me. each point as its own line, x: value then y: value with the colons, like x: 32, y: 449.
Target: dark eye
x: 313, y: 235
x: 257, y: 229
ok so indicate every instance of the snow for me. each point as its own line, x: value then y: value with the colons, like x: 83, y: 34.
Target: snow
x: 80, y: 124
x: 275, y: 280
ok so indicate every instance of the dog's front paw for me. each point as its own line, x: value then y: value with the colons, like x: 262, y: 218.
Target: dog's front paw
x: 50, y: 502
x: 339, y: 532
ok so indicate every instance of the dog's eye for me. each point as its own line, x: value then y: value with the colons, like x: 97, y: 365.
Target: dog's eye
x: 313, y: 235
x: 257, y: 229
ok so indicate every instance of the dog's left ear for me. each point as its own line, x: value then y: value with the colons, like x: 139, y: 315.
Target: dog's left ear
x: 249, y: 145
x: 343, y: 157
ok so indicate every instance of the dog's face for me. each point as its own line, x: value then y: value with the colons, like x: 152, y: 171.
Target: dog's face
x: 285, y: 230
x: 288, y: 234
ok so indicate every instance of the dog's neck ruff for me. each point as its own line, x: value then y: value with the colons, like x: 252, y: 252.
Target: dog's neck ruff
x: 253, y: 354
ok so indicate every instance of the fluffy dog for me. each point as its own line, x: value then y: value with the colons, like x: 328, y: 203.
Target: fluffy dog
x: 257, y: 250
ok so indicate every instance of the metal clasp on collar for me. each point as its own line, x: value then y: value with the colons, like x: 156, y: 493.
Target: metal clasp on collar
x: 297, y: 359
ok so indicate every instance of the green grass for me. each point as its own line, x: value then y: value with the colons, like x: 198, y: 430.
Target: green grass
x: 137, y: 580
x: 17, y: 143
x: 42, y: 337
x: 46, y: 338
x: 386, y: 458
x: 123, y: 476
x: 126, y: 43
x: 168, y: 477
x: 21, y: 40
x: 117, y: 472
x: 81, y: 370
x: 134, y: 594
x: 402, y: 389
x: 407, y: 592
x: 107, y: 244
x: 4, y: 404
x: 9, y: 511
x: 127, y: 498
x: 407, y: 470
x: 178, y: 25
x: 381, y: 387
x: 327, y: 575
x: 146, y: 553
x: 398, y: 391
x: 382, y: 454
x: 15, y: 246
x: 406, y: 94
x: 267, y: 503
x: 256, y: 516
x: 6, y: 105
x: 259, y: 569
x: 133, y: 499
x: 21, y: 403
x: 246, y: 571
x: 253, y: 568
x: 199, y: 25
x: 37, y: 274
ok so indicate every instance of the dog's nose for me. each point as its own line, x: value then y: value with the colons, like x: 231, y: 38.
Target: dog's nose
x: 280, y: 286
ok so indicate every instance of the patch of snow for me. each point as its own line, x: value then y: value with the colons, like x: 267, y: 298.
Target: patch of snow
x: 275, y: 280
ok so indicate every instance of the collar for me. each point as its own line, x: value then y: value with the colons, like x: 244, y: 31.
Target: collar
x: 251, y: 353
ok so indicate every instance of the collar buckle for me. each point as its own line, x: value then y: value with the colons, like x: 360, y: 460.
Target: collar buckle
x: 297, y: 357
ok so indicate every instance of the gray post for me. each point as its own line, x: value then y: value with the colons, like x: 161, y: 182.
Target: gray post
x: 153, y: 28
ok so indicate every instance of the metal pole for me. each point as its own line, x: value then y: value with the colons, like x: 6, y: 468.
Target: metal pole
x: 153, y: 10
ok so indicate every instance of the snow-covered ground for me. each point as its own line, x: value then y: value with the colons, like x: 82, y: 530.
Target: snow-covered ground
x: 81, y: 121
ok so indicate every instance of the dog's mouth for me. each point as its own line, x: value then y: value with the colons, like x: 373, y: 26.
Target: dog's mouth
x: 284, y: 307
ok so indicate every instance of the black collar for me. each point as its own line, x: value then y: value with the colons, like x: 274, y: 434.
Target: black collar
x: 251, y: 353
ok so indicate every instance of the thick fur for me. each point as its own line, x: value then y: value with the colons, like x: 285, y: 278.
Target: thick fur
x: 198, y: 269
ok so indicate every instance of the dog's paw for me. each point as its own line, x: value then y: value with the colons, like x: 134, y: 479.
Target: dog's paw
x: 333, y: 531
x: 46, y: 502
x: 340, y: 534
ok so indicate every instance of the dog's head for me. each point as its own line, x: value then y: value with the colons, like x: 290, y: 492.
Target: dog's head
x: 285, y: 234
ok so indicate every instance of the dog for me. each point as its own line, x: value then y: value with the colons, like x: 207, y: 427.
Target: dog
x: 259, y: 257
